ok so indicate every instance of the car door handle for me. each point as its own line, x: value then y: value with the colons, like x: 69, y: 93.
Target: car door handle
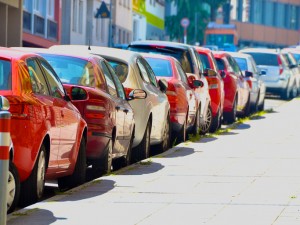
x: 126, y: 111
x: 117, y: 108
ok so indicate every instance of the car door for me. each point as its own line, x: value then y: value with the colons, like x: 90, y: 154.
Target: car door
x: 69, y: 118
x: 44, y: 103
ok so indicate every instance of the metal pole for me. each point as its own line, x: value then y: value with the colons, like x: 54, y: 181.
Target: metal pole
x: 4, y: 162
x: 110, y: 25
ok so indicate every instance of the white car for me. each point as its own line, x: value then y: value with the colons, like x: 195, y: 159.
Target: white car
x: 255, y: 81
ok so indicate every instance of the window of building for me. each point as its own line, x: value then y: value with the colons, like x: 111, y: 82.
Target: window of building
x: 268, y: 17
x: 293, y: 17
x: 80, y: 18
x: 280, y: 10
x: 124, y: 37
x: 74, y: 21
x: 256, y: 11
x: 38, y: 6
x: 50, y: 12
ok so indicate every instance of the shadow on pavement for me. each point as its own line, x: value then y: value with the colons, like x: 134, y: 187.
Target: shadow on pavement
x: 179, y: 151
x: 92, y: 189
x: 44, y: 217
x: 144, y: 167
x: 243, y: 126
x: 208, y: 139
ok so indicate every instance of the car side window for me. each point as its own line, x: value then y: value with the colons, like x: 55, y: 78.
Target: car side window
x: 234, y: 66
x: 143, y: 71
x: 182, y: 74
x: 119, y: 86
x: 151, y: 74
x: 109, y: 80
x: 185, y: 62
x: 57, y: 89
x: 38, y: 82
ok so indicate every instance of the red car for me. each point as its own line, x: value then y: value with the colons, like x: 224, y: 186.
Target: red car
x: 215, y: 84
x: 237, y: 90
x: 180, y: 93
x: 104, y: 106
x: 47, y: 131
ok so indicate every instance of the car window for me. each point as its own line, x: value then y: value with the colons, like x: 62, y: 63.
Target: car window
x: 221, y: 64
x: 253, y: 64
x: 214, y: 62
x: 38, y: 82
x: 143, y: 71
x: 112, y: 90
x: 119, y: 86
x: 205, y: 61
x: 242, y: 62
x: 181, y: 73
x: 151, y: 74
x: 73, y: 70
x: 198, y: 61
x: 57, y: 90
x: 264, y: 58
x: 161, y: 67
x: 5, y: 75
x: 120, y: 68
x: 234, y: 65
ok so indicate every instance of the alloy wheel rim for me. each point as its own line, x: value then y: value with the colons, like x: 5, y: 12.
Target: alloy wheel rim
x: 147, y: 142
x: 207, y: 122
x: 166, y: 135
x: 41, y: 174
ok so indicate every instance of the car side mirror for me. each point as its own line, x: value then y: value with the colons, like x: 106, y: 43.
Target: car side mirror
x: 209, y: 72
x: 4, y: 104
x: 78, y: 93
x: 137, y: 94
x: 163, y: 85
x: 193, y: 82
x: 223, y: 74
x: 248, y: 74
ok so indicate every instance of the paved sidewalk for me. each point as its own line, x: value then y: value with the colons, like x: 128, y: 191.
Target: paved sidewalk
x: 250, y: 175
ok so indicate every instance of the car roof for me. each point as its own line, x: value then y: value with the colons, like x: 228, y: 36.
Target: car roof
x: 240, y: 54
x: 116, y: 53
x: 261, y: 50
x: 74, y: 53
x: 161, y: 43
x: 10, y: 53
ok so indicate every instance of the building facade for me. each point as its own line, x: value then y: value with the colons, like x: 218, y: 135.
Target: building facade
x: 270, y: 23
x: 148, y: 19
x: 11, y: 23
x: 41, y: 23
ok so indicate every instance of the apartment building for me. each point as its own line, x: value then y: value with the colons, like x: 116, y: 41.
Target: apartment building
x: 270, y: 23
x: 11, y: 23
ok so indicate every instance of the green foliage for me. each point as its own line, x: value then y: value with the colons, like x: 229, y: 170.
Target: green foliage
x: 193, y: 10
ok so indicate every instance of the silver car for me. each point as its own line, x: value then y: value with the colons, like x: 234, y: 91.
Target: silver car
x: 279, y: 78
x: 255, y: 81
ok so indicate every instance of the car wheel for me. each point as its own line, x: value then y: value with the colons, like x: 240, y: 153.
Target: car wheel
x: 294, y: 91
x: 254, y: 108
x: 230, y: 117
x: 197, y: 125
x: 165, y: 144
x: 32, y: 189
x: 204, y: 127
x: 285, y: 94
x: 78, y: 176
x: 103, y: 165
x: 215, y: 123
x: 142, y: 151
x: 261, y: 107
x: 182, y: 135
x: 124, y: 161
x: 247, y: 108
x: 13, y: 188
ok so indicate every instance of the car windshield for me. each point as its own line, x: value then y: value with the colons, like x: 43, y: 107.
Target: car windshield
x: 242, y: 62
x: 5, y: 75
x: 181, y: 55
x: 120, y: 68
x: 297, y: 56
x: 161, y: 67
x: 264, y: 58
x: 72, y: 70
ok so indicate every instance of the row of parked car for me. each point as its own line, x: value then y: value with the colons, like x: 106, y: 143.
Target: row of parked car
x: 74, y: 106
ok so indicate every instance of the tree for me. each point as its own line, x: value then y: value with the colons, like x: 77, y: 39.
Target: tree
x: 191, y: 9
x: 214, y: 5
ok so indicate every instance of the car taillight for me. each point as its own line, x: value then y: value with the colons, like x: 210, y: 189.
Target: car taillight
x: 212, y: 83
x: 280, y: 65
x: 172, y: 95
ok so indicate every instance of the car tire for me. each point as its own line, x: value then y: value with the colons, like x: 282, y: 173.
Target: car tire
x: 206, y: 125
x: 215, y: 123
x: 32, y: 189
x: 182, y: 135
x: 142, y: 151
x: 165, y: 144
x: 254, y: 108
x: 103, y: 165
x: 197, y: 126
x: 230, y: 117
x: 261, y: 107
x: 247, y: 111
x: 13, y: 188
x: 78, y: 176
x: 294, y: 91
x: 124, y: 161
x: 285, y: 94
